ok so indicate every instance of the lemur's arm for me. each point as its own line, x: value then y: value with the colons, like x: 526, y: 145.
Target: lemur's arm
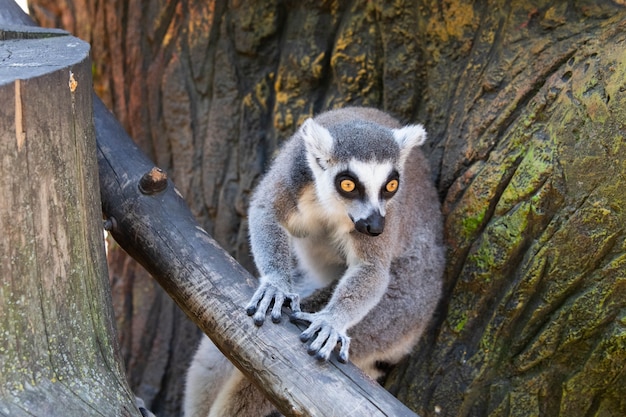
x: 272, y: 255
x: 358, y: 291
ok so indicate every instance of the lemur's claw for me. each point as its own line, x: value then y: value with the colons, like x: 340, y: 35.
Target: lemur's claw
x: 258, y: 319
x: 323, y: 336
x: 344, y: 352
x: 262, y: 299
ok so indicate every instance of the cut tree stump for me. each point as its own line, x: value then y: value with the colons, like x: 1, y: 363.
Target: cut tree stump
x: 58, y: 354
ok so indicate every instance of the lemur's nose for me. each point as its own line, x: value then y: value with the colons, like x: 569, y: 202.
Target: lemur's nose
x: 373, y: 225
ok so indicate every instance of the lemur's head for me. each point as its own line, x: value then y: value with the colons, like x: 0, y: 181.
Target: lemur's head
x: 358, y: 166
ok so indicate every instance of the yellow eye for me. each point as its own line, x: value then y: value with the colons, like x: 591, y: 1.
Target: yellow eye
x: 347, y: 185
x: 391, y: 186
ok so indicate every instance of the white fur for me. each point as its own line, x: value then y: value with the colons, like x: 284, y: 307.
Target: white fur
x: 207, y: 373
x: 313, y: 212
x: 410, y: 136
x: 320, y: 254
x: 318, y: 142
x: 407, y: 138
x: 373, y: 176
x: 330, y: 208
x: 307, y: 225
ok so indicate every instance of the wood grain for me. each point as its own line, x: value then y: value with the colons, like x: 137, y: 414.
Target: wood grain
x: 58, y: 349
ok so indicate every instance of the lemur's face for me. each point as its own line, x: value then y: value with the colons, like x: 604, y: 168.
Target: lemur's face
x: 358, y: 188
x: 362, y: 189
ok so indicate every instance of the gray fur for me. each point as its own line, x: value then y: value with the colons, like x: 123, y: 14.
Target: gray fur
x: 363, y: 140
x: 370, y: 295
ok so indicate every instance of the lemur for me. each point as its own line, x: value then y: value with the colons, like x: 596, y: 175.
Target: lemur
x: 347, y: 210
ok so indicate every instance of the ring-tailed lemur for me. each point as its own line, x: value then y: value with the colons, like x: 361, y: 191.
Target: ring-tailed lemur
x: 347, y: 206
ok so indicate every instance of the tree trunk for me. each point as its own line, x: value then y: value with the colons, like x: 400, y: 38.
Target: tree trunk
x: 58, y: 350
x: 524, y: 105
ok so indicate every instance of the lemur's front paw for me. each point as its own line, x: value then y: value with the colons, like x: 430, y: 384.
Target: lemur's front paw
x: 324, y: 336
x: 264, y: 295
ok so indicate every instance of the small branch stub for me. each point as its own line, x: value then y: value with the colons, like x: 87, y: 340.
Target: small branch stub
x: 153, y: 182
x: 110, y: 224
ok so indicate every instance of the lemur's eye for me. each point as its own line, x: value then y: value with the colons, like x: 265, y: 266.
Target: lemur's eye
x: 347, y: 185
x: 392, y: 186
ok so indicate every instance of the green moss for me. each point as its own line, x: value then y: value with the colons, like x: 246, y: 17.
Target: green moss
x: 535, y: 168
x: 472, y: 224
x: 459, y: 324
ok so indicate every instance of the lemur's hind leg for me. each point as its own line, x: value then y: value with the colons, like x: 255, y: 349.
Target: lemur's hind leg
x: 215, y: 388
x: 239, y: 397
x: 208, y: 372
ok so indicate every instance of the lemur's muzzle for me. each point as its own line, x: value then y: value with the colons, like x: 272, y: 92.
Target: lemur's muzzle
x: 373, y: 225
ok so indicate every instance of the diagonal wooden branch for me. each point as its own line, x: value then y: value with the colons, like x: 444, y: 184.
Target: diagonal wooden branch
x: 150, y: 220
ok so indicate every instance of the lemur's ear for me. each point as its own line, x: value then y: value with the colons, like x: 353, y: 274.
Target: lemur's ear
x: 407, y: 138
x: 410, y: 136
x: 318, y: 142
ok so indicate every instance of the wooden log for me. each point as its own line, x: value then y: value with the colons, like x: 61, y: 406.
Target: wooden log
x: 58, y: 354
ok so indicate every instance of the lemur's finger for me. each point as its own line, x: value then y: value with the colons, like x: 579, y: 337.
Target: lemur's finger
x: 321, y: 337
x: 279, y: 300
x: 294, y: 302
x: 259, y: 316
x: 345, y: 349
x: 329, y: 345
x: 251, y: 308
x: 306, y: 335
x: 300, y: 316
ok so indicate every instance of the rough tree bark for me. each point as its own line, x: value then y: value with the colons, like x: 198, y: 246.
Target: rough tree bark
x: 524, y: 103
x: 58, y: 349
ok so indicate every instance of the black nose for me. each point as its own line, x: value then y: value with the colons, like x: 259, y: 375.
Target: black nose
x: 373, y: 225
